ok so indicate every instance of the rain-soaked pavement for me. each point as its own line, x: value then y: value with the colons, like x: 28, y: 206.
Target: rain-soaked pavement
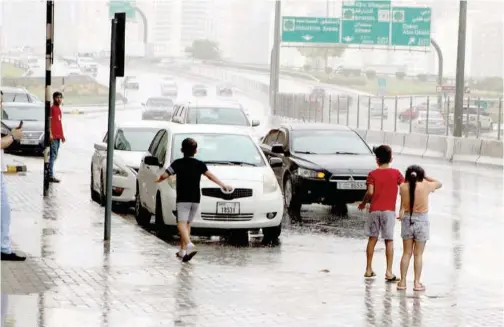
x: 312, y: 278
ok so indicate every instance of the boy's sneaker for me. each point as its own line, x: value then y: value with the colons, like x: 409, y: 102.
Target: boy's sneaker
x: 180, y: 254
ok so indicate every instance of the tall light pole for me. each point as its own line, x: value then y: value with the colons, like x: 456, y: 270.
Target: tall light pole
x: 275, y: 58
x: 49, y: 61
x: 460, y: 79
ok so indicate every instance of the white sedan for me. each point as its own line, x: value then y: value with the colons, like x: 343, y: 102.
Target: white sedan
x: 130, y: 145
x: 232, y: 155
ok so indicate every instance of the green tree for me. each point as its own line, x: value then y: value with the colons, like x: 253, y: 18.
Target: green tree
x: 204, y: 50
x: 322, y: 53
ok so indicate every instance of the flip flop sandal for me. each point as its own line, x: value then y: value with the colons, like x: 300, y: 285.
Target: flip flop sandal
x: 366, y: 275
x: 392, y: 279
x: 401, y: 288
x: 419, y: 289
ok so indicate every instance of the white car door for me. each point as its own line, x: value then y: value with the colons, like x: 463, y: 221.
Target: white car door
x: 144, y: 172
x: 153, y: 172
x: 98, y: 161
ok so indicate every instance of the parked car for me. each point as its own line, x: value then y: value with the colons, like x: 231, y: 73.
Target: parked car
x: 130, y: 83
x: 199, y: 90
x: 33, y: 117
x: 131, y: 141
x: 158, y: 108
x: 321, y: 163
x: 169, y: 87
x: 16, y: 94
x: 231, y: 154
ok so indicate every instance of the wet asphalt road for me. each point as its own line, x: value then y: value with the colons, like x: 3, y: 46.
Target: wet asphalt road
x: 312, y: 278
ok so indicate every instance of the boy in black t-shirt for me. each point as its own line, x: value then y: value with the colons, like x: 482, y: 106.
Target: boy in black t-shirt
x: 188, y: 170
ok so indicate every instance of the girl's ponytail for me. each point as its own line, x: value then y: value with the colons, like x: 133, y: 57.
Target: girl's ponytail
x: 413, y: 175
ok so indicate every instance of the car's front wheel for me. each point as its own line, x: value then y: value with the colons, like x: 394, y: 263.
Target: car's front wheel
x: 162, y: 229
x: 340, y: 210
x: 95, y: 196
x: 271, y: 234
x: 291, y: 202
x: 142, y: 215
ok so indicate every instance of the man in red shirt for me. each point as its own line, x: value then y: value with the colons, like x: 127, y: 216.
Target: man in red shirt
x: 382, y: 191
x: 57, y: 136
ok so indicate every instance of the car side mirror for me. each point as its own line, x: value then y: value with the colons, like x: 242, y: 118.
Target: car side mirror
x: 255, y: 123
x: 277, y: 148
x: 374, y: 149
x: 152, y: 161
x: 100, y: 146
x: 275, y: 162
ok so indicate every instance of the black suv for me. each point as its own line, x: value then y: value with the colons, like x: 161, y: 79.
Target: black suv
x: 322, y: 163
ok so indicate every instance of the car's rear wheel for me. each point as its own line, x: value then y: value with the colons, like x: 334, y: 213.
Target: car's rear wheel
x: 291, y: 202
x: 142, y: 215
x: 271, y: 234
x: 162, y: 229
x: 340, y: 210
x: 95, y: 196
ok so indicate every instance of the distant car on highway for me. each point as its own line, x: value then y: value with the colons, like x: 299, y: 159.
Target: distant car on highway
x: 376, y: 109
x: 33, y: 117
x: 199, y: 90
x: 17, y: 94
x: 74, y: 70
x: 169, y: 87
x: 321, y: 163
x: 131, y: 141
x: 130, y: 83
x: 88, y: 65
x: 431, y: 123
x: 158, y: 108
x: 224, y: 90
x: 230, y: 153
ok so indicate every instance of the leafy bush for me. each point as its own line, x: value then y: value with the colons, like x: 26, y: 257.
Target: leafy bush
x: 371, y: 74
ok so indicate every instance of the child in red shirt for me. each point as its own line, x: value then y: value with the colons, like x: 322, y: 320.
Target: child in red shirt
x: 382, y: 191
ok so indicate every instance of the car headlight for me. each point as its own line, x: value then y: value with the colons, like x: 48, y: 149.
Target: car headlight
x: 270, y: 183
x: 309, y: 173
x: 118, y: 171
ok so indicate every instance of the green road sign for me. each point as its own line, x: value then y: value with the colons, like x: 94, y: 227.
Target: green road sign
x: 382, y: 82
x: 125, y: 6
x: 411, y: 26
x: 481, y: 103
x: 310, y: 29
x: 366, y: 22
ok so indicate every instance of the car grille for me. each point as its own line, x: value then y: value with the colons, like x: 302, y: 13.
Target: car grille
x: 32, y: 135
x: 221, y: 217
x: 217, y: 193
x: 347, y: 177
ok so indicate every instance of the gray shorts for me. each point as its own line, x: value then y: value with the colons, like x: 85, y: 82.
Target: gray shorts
x: 418, y: 229
x: 187, y: 211
x: 381, y: 222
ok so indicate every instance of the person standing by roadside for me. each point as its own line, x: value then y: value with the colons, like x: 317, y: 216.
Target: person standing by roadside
x: 415, y: 222
x: 57, y: 136
x: 188, y: 171
x: 382, y: 192
x: 7, y: 254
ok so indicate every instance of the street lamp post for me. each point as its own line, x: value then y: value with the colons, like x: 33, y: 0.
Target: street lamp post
x: 460, y: 80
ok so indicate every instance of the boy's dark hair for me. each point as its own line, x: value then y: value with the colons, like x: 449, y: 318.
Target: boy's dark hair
x: 189, y: 147
x: 383, y: 154
x: 57, y: 94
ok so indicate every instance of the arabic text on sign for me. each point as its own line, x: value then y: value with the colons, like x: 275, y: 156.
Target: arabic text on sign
x: 362, y: 30
x: 329, y: 29
x: 379, y: 5
x: 364, y: 11
x: 368, y: 18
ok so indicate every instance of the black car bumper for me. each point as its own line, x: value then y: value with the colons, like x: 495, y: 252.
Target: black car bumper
x: 309, y: 191
x: 17, y: 147
x: 155, y: 116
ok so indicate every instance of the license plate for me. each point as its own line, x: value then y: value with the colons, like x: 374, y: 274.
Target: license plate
x: 29, y: 142
x: 351, y: 185
x: 228, y: 208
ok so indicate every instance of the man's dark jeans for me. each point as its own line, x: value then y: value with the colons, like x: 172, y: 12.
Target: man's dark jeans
x: 53, y: 154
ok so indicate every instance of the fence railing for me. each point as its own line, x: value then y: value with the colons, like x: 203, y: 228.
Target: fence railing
x: 482, y: 117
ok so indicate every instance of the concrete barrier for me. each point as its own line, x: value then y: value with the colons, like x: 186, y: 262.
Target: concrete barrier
x: 466, y: 150
x: 491, y: 153
x: 395, y: 141
x: 415, y: 144
x: 375, y: 138
x: 437, y: 147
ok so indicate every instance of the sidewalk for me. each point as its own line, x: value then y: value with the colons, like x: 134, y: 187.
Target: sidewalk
x: 69, y: 279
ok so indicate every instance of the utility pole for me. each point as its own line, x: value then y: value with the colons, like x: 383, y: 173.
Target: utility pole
x: 326, y: 54
x: 460, y: 80
x: 275, y: 58
x: 48, y: 95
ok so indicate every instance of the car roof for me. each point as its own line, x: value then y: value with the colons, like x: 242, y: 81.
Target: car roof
x: 12, y: 89
x: 213, y: 103
x: 23, y: 105
x: 145, y: 124
x: 207, y: 129
x: 315, y: 126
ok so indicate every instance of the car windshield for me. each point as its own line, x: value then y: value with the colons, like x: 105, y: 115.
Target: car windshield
x: 28, y: 113
x: 134, y: 139
x: 14, y: 97
x: 164, y: 103
x: 226, y: 149
x: 217, y: 116
x: 328, y: 142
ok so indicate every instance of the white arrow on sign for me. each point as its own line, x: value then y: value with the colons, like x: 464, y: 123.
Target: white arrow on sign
x: 347, y: 39
x: 411, y: 40
x: 307, y: 37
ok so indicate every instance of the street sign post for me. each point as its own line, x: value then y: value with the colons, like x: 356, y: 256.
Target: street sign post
x: 310, y: 29
x: 411, y: 26
x: 366, y: 22
x: 125, y: 6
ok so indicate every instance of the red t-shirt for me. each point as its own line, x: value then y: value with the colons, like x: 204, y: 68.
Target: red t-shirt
x: 385, y: 182
x: 56, y: 125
